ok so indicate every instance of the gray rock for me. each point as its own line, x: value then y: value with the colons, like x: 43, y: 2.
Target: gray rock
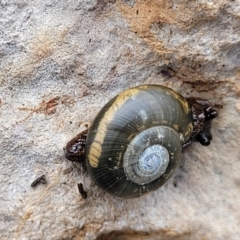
x: 61, y: 61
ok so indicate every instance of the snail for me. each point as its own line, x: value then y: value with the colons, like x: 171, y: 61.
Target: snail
x: 137, y: 139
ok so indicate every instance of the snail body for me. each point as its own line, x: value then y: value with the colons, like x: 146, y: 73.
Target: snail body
x: 136, y: 140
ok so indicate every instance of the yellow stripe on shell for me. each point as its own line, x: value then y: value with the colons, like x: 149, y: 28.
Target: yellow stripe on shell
x: 96, y: 147
x: 176, y: 127
x: 171, y: 92
x: 189, y: 130
x: 182, y: 100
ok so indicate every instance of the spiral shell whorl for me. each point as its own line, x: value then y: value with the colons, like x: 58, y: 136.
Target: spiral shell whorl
x: 157, y: 148
x: 120, y: 121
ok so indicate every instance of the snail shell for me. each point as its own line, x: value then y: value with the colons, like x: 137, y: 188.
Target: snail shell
x: 135, y: 142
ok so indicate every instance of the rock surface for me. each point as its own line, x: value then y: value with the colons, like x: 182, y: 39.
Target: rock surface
x: 61, y: 61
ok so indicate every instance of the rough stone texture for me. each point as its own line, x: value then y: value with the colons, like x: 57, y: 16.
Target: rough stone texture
x: 61, y: 61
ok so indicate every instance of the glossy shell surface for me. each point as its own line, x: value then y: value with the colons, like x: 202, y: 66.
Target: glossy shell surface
x: 110, y: 147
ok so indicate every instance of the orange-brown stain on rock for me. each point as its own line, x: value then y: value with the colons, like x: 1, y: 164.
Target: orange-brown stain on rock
x: 47, y: 108
x: 147, y: 13
x: 79, y: 233
x: 144, y: 14
x: 24, y: 218
x: 40, y: 46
